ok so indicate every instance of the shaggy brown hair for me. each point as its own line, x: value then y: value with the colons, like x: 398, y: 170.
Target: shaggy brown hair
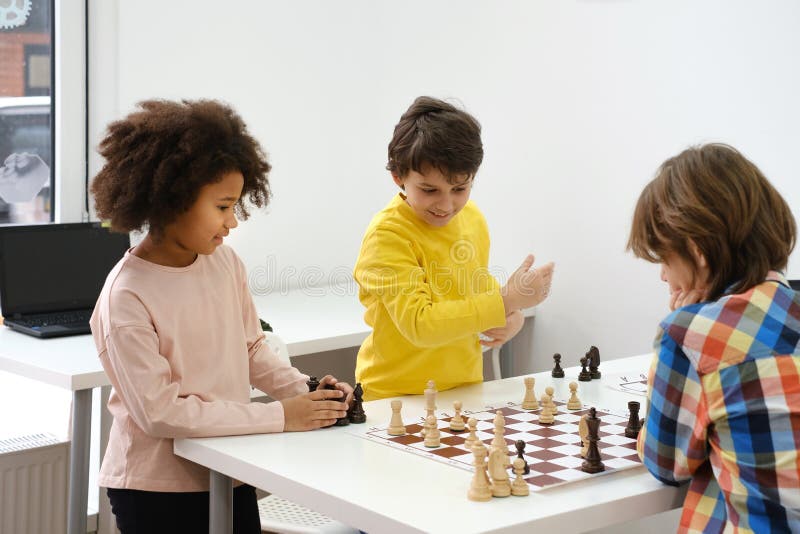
x: 158, y: 158
x: 715, y: 197
x: 434, y: 133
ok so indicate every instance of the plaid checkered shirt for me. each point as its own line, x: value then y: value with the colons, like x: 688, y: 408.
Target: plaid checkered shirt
x: 724, y: 410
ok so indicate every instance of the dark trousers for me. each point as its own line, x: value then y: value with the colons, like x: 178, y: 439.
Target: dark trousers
x: 154, y: 512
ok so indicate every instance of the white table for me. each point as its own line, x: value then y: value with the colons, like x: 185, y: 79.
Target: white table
x: 308, y: 321
x: 376, y: 488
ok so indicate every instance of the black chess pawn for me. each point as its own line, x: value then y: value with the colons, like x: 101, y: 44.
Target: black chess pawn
x: 593, y: 462
x: 312, y: 383
x: 557, y: 371
x: 520, y: 445
x: 342, y: 421
x: 584, y: 375
x: 634, y: 424
x: 594, y: 362
x: 356, y: 413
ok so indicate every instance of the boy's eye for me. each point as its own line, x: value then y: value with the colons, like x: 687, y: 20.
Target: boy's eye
x: 428, y: 190
x: 460, y: 189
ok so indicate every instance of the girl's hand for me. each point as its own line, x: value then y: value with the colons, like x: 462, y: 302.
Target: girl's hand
x: 317, y: 409
x: 344, y: 387
x: 498, y: 336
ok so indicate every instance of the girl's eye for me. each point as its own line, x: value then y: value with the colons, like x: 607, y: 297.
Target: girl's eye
x: 223, y: 208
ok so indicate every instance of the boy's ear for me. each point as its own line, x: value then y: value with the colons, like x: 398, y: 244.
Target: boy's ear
x: 398, y: 181
x: 697, y: 254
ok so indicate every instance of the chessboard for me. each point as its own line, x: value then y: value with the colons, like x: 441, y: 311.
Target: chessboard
x: 552, y: 451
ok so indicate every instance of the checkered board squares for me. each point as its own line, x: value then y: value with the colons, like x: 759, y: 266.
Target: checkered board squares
x: 552, y: 451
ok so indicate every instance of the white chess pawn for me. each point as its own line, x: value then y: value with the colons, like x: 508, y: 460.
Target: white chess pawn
x: 530, y: 402
x: 499, y: 440
x: 519, y: 487
x: 574, y: 402
x: 479, y: 489
x: 550, y: 403
x: 472, y: 440
x: 432, y: 434
x: 457, y: 422
x: 396, y: 426
x: 545, y: 416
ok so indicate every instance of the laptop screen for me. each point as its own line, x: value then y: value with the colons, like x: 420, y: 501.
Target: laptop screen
x: 55, y: 267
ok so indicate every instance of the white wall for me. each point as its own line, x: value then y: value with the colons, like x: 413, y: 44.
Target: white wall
x: 580, y: 102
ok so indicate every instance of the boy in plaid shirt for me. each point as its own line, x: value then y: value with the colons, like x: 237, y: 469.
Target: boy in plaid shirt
x: 724, y: 389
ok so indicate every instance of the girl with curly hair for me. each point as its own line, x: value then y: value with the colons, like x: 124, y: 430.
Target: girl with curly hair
x: 175, y: 325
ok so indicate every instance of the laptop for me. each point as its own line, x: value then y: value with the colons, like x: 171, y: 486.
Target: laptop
x: 51, y: 275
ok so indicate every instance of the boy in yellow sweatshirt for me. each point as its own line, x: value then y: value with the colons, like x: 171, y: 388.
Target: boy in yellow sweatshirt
x: 423, y: 266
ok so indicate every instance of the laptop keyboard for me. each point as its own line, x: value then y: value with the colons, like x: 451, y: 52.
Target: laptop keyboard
x: 78, y: 317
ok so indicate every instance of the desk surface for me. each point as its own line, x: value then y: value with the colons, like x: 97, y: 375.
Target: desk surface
x: 376, y: 488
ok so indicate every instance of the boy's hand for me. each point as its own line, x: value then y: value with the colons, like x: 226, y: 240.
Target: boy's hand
x: 499, y: 336
x: 344, y: 387
x: 679, y: 298
x: 313, y: 410
x: 528, y: 286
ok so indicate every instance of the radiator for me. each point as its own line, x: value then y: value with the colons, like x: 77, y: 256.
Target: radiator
x: 33, y: 484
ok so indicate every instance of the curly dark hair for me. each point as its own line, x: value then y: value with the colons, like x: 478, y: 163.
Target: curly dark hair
x: 159, y: 156
x: 433, y: 132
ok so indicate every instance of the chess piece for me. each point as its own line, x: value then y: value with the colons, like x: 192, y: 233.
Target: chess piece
x: 457, y: 422
x: 432, y: 434
x: 594, y: 362
x: 356, y: 412
x: 498, y: 464
x: 593, y: 462
x: 396, y: 426
x: 342, y: 421
x: 499, y: 440
x: 312, y: 383
x: 530, y: 402
x: 520, y: 445
x: 550, y: 404
x: 557, y: 371
x: 472, y: 440
x: 583, y: 432
x: 519, y: 487
x: 545, y: 416
x: 584, y: 375
x: 574, y: 402
x: 430, y: 402
x: 479, y: 489
x: 634, y: 425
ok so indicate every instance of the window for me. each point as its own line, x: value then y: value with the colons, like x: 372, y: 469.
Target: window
x: 26, y: 111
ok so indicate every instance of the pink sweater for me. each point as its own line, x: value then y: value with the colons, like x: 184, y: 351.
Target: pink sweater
x: 181, y: 347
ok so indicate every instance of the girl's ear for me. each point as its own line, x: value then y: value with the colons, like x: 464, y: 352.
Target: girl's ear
x: 398, y: 181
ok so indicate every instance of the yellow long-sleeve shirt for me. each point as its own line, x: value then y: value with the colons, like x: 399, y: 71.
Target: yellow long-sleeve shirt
x: 428, y: 294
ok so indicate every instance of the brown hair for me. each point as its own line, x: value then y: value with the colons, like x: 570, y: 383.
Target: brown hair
x: 158, y: 158
x: 434, y: 133
x: 718, y: 199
